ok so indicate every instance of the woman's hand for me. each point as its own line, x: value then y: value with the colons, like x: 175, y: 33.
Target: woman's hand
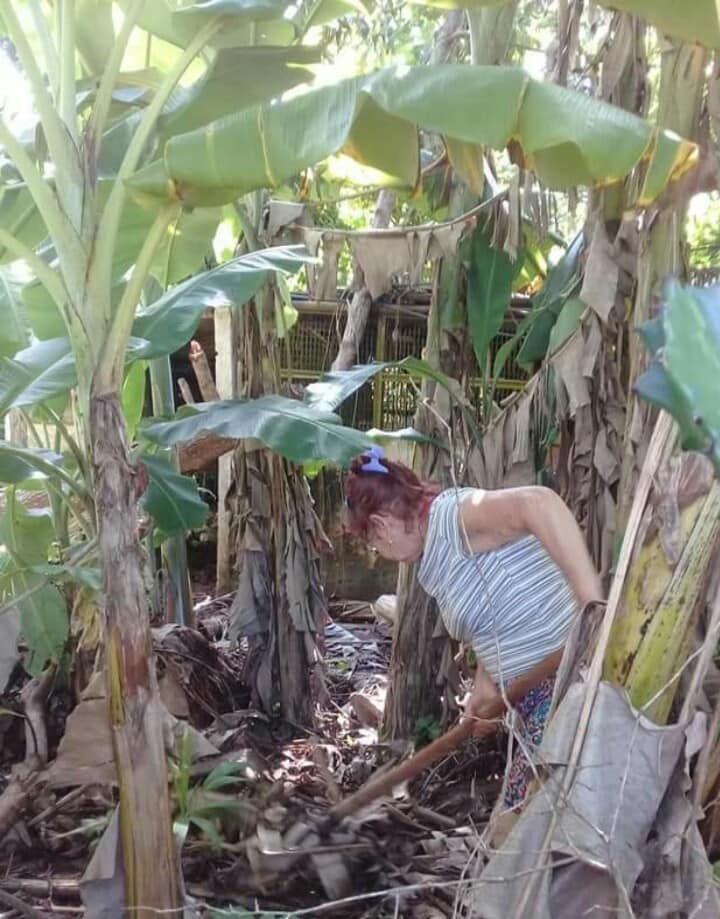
x: 484, y: 704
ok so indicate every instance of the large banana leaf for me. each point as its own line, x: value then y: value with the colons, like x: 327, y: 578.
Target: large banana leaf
x: 13, y: 330
x: 490, y: 278
x: 40, y: 372
x: 47, y: 368
x: 682, y: 377
x: 22, y: 464
x: 290, y: 428
x: 239, y: 78
x: 696, y: 21
x: 19, y: 217
x: 333, y: 388
x: 172, y: 499
x: 567, y: 137
x: 246, y: 22
x: 94, y: 34
x: 170, y: 321
x: 43, y: 613
x: 562, y: 282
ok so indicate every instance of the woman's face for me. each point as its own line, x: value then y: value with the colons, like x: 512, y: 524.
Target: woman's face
x: 395, y: 539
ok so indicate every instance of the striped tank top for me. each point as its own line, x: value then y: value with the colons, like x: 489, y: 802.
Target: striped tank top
x: 512, y: 605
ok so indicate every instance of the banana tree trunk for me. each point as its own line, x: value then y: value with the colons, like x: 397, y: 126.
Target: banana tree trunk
x: 151, y: 885
x: 279, y: 606
x: 682, y: 81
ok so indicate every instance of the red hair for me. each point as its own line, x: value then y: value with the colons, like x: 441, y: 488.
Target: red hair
x: 398, y: 492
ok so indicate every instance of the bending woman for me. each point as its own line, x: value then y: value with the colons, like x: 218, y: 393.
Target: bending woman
x: 509, y: 570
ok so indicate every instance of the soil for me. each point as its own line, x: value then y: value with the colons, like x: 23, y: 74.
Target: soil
x: 259, y: 845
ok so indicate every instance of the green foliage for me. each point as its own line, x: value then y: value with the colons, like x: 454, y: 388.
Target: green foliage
x: 204, y: 806
x: 490, y: 279
x: 22, y: 465
x: 685, y: 367
x: 333, y: 388
x: 568, y: 138
x: 427, y: 729
x: 44, y: 622
x: 172, y: 499
x: 295, y: 431
x: 562, y: 282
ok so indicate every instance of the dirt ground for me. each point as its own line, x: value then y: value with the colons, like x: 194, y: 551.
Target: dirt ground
x: 252, y: 808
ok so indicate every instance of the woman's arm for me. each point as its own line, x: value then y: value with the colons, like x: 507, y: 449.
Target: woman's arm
x: 486, y: 702
x: 495, y: 518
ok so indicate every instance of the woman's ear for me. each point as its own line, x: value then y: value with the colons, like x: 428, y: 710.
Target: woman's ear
x: 378, y: 523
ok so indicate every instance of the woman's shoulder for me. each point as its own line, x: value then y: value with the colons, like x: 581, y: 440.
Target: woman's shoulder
x: 444, y: 510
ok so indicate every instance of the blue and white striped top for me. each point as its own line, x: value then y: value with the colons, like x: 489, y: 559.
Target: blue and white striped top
x: 512, y: 605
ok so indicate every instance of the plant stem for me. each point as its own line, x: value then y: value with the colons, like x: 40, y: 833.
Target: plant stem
x: 112, y: 360
x: 71, y: 443
x: 48, y: 45
x: 103, y: 99
x: 66, y: 103
x: 110, y: 220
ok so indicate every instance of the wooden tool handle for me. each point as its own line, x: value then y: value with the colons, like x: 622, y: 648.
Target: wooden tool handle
x: 383, y: 784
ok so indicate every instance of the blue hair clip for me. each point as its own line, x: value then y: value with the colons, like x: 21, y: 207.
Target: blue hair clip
x: 373, y: 464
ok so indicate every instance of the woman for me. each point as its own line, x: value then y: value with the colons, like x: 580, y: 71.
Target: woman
x: 509, y: 570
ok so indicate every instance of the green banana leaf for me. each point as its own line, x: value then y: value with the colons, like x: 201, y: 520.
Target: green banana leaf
x: 567, y: 322
x: 172, y: 499
x: 169, y: 322
x: 94, y: 34
x: 561, y: 283
x: 35, y: 374
x: 24, y: 464
x: 13, y: 330
x: 490, y: 277
x: 47, y: 368
x: 44, y: 621
x: 290, y: 428
x: 682, y: 376
x: 567, y: 137
x: 236, y: 79
x: 329, y: 392
x: 692, y: 22
x: 19, y: 216
x: 247, y: 22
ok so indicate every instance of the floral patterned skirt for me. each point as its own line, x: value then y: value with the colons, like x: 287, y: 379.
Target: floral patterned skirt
x: 533, y: 710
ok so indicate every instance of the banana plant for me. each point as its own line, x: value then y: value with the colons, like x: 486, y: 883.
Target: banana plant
x: 88, y: 201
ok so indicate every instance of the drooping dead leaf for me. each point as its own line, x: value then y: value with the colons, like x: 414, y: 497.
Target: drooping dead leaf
x: 85, y: 754
x: 102, y: 886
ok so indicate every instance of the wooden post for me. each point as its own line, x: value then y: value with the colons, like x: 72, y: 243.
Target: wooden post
x: 224, y: 381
